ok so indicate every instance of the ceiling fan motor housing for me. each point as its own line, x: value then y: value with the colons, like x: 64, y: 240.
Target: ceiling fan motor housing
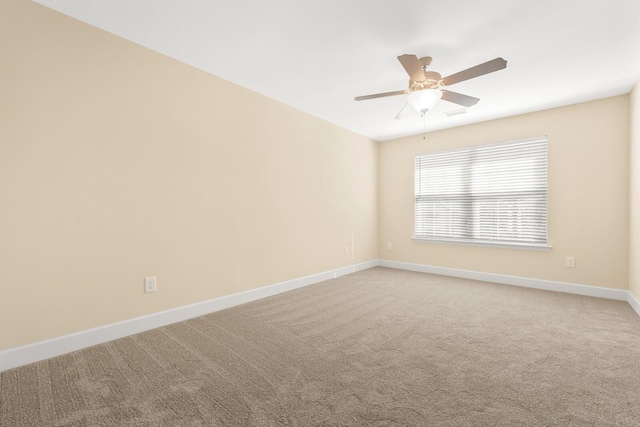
x: 432, y: 80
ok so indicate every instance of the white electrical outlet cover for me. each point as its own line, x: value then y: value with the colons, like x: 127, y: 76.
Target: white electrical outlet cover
x: 150, y: 284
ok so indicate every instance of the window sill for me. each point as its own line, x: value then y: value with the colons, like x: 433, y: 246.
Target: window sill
x: 487, y: 244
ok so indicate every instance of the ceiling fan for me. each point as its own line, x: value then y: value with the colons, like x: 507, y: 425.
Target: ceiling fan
x: 425, y: 87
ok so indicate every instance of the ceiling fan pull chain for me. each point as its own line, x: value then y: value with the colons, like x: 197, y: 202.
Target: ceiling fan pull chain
x: 424, y: 126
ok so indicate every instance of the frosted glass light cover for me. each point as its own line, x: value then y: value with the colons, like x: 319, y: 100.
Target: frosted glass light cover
x: 424, y: 100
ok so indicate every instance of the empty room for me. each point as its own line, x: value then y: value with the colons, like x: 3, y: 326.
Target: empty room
x: 337, y: 213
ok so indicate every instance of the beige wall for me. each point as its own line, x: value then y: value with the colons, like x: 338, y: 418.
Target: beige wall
x: 634, y: 194
x: 588, y: 195
x: 118, y: 163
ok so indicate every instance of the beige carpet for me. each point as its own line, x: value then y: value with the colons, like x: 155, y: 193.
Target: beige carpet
x: 381, y: 347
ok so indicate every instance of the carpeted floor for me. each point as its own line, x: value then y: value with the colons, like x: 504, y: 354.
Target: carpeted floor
x: 381, y: 347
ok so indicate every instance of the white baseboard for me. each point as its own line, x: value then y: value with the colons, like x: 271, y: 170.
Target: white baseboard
x: 549, y: 285
x: 634, y: 302
x: 23, y: 355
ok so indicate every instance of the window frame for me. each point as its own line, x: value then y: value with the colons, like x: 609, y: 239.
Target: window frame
x: 469, y: 197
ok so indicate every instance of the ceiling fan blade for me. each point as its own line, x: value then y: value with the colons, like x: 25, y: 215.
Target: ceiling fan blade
x: 458, y: 98
x: 412, y: 67
x: 380, y: 95
x: 478, y: 70
x: 407, y: 111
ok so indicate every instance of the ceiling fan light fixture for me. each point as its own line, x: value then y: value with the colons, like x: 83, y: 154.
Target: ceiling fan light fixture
x: 424, y: 100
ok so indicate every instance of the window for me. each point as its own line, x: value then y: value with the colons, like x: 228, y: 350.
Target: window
x: 489, y: 194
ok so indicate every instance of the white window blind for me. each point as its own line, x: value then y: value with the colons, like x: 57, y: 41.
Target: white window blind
x: 495, y: 194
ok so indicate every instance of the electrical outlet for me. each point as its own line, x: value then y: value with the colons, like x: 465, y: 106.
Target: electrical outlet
x: 150, y: 284
x: 570, y: 262
x: 346, y: 250
x: 389, y: 246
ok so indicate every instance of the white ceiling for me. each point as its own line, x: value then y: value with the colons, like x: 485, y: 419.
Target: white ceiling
x: 318, y: 55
